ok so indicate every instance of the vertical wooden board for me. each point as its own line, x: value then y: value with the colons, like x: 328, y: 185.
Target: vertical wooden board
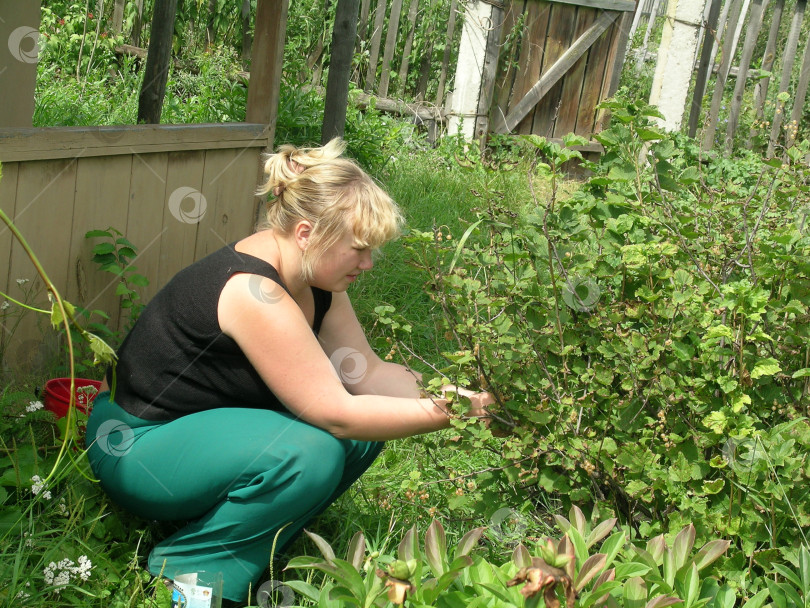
x: 603, y: 116
x: 102, y: 197
x: 511, y: 43
x: 561, y: 37
x: 229, y: 184
x: 592, y: 85
x: 572, y: 85
x: 186, y: 207
x: 8, y: 198
x: 146, y: 217
x: 43, y: 214
x: 532, y: 57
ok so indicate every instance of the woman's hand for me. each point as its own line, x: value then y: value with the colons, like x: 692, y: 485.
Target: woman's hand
x: 478, y: 404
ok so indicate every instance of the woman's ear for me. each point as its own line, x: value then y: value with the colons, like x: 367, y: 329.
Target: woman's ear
x: 302, y: 232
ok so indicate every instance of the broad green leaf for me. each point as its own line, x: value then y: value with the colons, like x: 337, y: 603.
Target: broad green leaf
x: 691, y: 585
x: 612, y: 546
x: 436, y: 548
x: 766, y: 367
x: 576, y: 539
x: 92, y: 234
x: 577, y: 519
x: 635, y: 592
x: 628, y: 570
x: 600, y: 531
x: 592, y: 566
x: 323, y: 546
x: 521, y: 556
x: 408, y: 546
x: 724, y: 598
x: 682, y: 545
x: 757, y: 600
x: 468, y: 542
x: 802, y: 373
x: 357, y: 550
x: 662, y: 601
x: 709, y: 552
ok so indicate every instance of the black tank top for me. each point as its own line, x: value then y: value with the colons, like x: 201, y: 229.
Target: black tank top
x: 176, y: 360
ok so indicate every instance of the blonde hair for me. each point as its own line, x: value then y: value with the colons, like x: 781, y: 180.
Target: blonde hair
x: 332, y: 193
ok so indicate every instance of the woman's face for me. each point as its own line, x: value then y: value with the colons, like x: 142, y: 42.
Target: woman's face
x: 341, y: 264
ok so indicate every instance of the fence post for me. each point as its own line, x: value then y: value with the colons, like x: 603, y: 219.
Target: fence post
x: 676, y: 59
x: 751, y: 35
x: 390, y: 46
x: 722, y: 75
x: 799, y: 97
x: 704, y: 67
x: 448, y: 41
x: 761, y: 88
x: 464, y: 111
x: 340, y: 69
x: 19, y: 46
x: 642, y: 52
x: 788, y: 58
x: 374, y: 54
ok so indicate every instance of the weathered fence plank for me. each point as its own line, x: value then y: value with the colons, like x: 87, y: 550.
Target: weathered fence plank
x: 799, y: 97
x: 101, y: 184
x: 532, y: 56
x: 704, y: 66
x: 561, y: 25
x: 572, y: 85
x: 147, y: 213
x: 40, y: 210
x: 562, y: 62
x: 344, y: 32
x: 642, y: 51
x: 788, y: 59
x: 390, y: 47
x: 751, y: 35
x: 374, y: 51
x: 592, y: 86
x: 722, y: 75
x: 406, y: 52
x: 511, y: 44
x: 489, y: 71
x: 448, y: 47
x: 768, y: 58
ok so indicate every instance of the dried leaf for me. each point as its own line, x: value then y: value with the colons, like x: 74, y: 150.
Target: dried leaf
x: 542, y: 578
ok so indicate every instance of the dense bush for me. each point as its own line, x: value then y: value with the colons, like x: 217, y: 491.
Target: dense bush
x: 646, y: 338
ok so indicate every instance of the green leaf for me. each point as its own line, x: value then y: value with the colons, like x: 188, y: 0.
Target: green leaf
x: 461, y: 242
x: 356, y: 552
x: 623, y: 173
x: 93, y: 234
x: 757, y: 600
x: 709, y: 552
x: 104, y: 248
x: 57, y: 319
x: 324, y: 547
x: 682, y: 545
x: 468, y: 542
x: 635, y: 593
x: 766, y: 367
x: 436, y: 548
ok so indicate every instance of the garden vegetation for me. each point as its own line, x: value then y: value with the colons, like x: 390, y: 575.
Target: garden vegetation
x: 645, y: 331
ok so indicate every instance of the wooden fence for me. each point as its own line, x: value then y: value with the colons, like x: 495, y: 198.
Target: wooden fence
x: 176, y: 192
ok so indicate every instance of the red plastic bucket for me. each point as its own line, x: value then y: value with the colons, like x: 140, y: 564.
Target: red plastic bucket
x: 57, y: 395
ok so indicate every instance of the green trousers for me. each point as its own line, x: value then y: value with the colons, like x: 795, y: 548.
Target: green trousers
x: 234, y: 476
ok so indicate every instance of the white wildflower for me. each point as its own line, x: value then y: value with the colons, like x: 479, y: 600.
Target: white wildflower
x: 38, y: 486
x: 22, y: 282
x: 29, y: 542
x: 63, y: 507
x: 84, y: 568
x: 59, y: 575
x: 5, y: 305
x: 33, y: 406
